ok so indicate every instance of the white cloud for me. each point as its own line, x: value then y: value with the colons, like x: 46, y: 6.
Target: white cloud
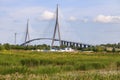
x: 107, y: 19
x: 29, y: 12
x: 47, y: 15
x: 72, y: 18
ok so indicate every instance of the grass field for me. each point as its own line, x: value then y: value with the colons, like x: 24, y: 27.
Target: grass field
x: 29, y: 65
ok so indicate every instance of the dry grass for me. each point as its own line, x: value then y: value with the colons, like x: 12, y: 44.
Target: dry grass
x: 28, y: 65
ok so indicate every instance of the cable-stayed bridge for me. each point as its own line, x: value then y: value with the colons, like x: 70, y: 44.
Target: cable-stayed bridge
x: 63, y: 42
x: 67, y: 43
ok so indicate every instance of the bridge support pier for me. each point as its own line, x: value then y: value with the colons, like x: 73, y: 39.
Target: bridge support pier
x: 84, y: 46
x: 62, y: 43
x: 80, y: 45
x: 67, y: 44
x: 77, y: 45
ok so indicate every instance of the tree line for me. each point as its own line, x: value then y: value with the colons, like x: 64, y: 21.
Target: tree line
x: 8, y: 46
x: 98, y: 48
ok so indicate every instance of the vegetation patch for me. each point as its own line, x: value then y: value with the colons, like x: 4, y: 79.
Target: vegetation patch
x: 90, y: 66
x: 30, y: 62
x: 11, y: 70
x: 63, y: 65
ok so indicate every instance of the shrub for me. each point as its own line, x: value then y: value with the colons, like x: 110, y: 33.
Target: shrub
x: 11, y: 70
x: 45, y: 62
x: 98, y: 65
x: 118, y: 65
x: 90, y: 66
x: 5, y: 64
x: 46, y: 70
x: 30, y: 62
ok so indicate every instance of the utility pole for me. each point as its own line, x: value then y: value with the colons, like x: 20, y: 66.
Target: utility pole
x: 15, y: 37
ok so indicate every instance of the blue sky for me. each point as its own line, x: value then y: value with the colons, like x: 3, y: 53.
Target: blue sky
x: 86, y: 21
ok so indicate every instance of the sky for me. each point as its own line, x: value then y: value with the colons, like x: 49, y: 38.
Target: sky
x: 85, y: 21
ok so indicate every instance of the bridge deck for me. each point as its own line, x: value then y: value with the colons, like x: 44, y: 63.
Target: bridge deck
x: 64, y: 42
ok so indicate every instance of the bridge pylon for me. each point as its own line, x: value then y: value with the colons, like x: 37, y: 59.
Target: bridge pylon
x: 56, y: 29
x: 27, y: 35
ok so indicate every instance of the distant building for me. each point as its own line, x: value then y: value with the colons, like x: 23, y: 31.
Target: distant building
x: 67, y: 49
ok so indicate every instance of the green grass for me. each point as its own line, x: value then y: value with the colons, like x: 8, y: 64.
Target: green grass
x: 39, y: 64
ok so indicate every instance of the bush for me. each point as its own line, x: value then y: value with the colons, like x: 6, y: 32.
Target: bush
x: 118, y: 65
x: 11, y: 70
x: 30, y: 62
x: 45, y: 62
x: 4, y: 64
x: 98, y: 65
x: 7, y: 46
x: 2, y: 48
x: 89, y: 66
x: 46, y: 70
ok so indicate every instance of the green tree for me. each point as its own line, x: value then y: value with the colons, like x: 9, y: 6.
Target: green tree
x: 1, y: 47
x: 7, y: 46
x: 113, y: 50
x: 105, y: 49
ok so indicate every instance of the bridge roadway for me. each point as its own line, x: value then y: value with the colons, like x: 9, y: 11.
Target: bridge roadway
x: 63, y: 42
